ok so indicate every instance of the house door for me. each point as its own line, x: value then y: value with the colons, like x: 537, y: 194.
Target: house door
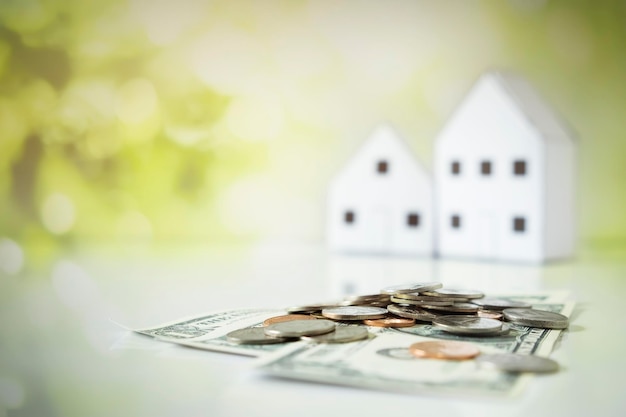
x: 487, y: 236
x: 378, y: 230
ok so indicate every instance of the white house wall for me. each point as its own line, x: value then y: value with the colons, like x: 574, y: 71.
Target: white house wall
x: 381, y: 203
x: 560, y: 224
x: 489, y: 127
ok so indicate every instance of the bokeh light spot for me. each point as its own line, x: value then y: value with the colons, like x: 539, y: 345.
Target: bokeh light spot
x: 58, y: 213
x: 250, y: 205
x: 27, y: 16
x: 165, y: 20
x: 256, y: 118
x: 136, y: 102
x: 74, y: 286
x: 134, y: 226
x: 11, y: 256
x: 229, y: 61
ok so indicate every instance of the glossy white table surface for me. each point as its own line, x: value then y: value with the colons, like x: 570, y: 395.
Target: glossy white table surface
x: 60, y: 354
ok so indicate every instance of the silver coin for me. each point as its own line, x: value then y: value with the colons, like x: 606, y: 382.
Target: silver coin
x: 454, y: 308
x: 354, y: 313
x: 455, y: 292
x: 342, y: 334
x: 411, y: 313
x: 419, y: 297
x: 514, y: 362
x: 299, y: 328
x: 399, y: 300
x: 368, y: 297
x: 536, y: 318
x: 381, y: 302
x: 412, y: 287
x: 499, y: 303
x: 309, y: 308
x: 506, y: 328
x: 467, y: 325
x: 254, y: 336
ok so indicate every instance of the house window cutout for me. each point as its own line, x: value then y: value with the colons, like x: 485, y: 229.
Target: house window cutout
x: 382, y: 167
x: 456, y: 168
x: 519, y: 167
x: 413, y: 220
x: 519, y: 224
x: 485, y: 168
x: 349, y: 217
x: 455, y: 221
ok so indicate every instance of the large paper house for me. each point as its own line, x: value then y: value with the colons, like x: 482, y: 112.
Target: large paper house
x: 504, y: 176
x: 381, y: 202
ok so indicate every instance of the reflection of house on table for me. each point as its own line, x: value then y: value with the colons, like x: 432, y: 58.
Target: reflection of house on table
x: 503, y: 190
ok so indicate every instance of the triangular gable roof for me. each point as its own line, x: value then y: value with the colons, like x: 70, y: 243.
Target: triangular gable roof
x: 539, y: 114
x: 383, y: 137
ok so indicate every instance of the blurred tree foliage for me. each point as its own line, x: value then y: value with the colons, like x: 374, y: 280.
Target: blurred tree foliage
x: 90, y: 109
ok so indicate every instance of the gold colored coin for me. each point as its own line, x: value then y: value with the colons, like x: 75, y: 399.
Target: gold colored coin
x: 390, y: 322
x: 489, y: 314
x: 287, y: 317
x: 444, y: 350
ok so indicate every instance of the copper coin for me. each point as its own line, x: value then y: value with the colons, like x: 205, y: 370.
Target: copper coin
x: 444, y: 350
x: 390, y: 322
x: 287, y: 317
x: 489, y: 314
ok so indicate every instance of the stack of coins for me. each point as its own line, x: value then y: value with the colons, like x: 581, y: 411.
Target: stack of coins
x: 459, y: 311
x: 292, y: 327
x: 465, y: 312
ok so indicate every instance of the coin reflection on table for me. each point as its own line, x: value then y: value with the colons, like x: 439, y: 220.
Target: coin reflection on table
x: 444, y: 350
x: 390, y: 322
x: 287, y: 317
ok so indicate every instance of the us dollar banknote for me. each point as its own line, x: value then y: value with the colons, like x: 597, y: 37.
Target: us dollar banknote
x: 208, y: 331
x: 385, y: 363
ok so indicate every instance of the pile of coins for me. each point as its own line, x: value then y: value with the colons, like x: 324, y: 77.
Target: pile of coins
x: 456, y: 311
x: 294, y: 327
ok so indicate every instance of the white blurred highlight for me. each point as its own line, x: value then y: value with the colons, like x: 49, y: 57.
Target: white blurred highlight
x: 255, y: 205
x: 11, y: 393
x: 229, y: 60
x: 74, y: 287
x: 258, y: 117
x: 136, y: 101
x: 135, y: 226
x: 58, y: 213
x: 11, y: 256
x: 165, y: 20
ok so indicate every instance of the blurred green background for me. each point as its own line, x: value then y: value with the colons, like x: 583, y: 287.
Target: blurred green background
x: 153, y: 121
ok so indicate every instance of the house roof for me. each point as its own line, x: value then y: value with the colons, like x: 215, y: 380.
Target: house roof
x: 539, y: 114
x: 382, y: 141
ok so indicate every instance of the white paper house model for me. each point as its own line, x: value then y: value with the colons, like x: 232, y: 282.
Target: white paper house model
x: 381, y: 202
x: 504, y: 176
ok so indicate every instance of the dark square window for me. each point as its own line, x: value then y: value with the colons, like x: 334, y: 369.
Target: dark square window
x: 519, y: 224
x: 455, y: 221
x: 413, y: 220
x: 382, y: 167
x: 485, y: 168
x: 349, y: 217
x: 456, y: 167
x: 519, y: 167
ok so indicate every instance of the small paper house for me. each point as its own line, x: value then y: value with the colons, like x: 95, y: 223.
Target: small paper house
x: 504, y: 176
x: 381, y: 202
